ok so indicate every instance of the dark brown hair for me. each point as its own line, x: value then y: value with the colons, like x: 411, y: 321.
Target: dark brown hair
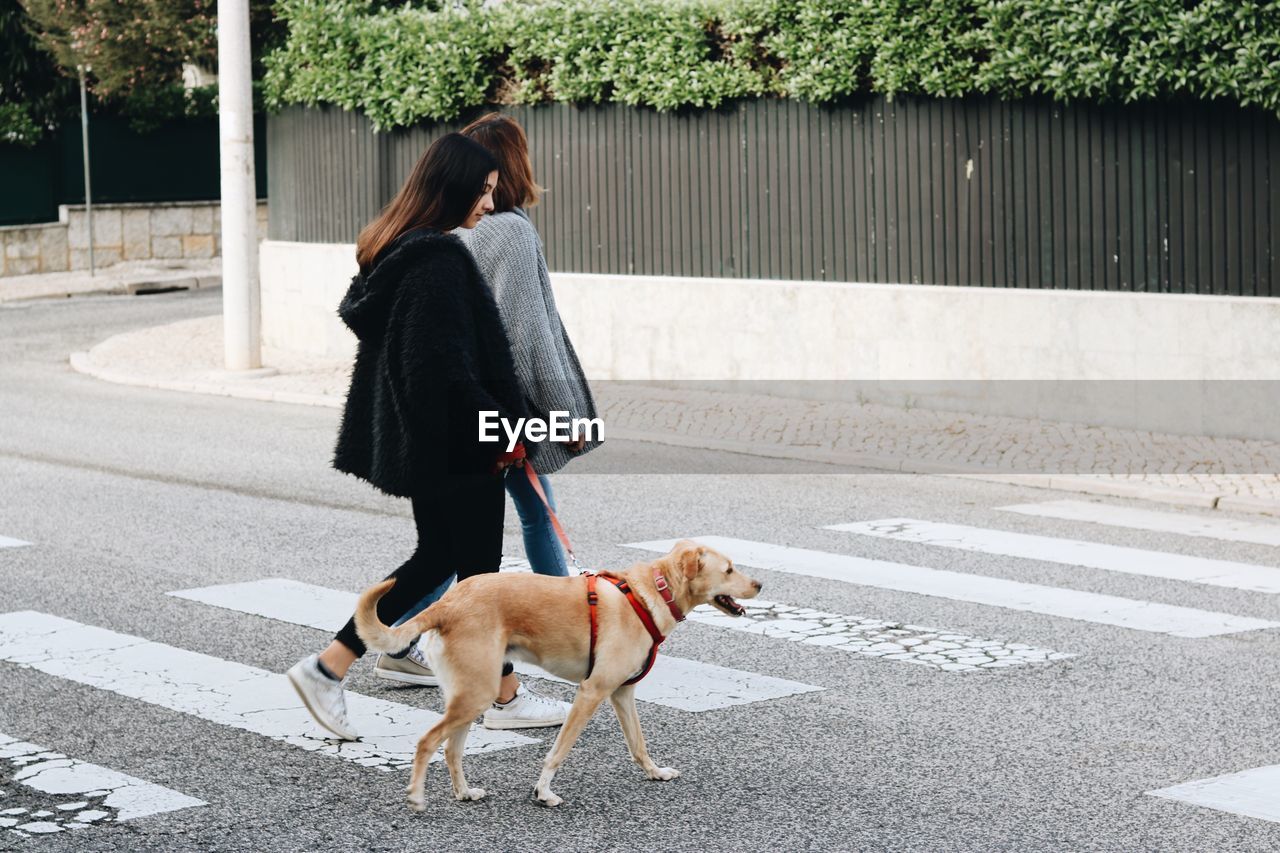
x: 440, y: 192
x: 505, y: 139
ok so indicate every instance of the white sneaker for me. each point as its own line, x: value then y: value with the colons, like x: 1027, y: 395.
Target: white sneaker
x: 410, y: 669
x: 527, y: 710
x: 323, y: 697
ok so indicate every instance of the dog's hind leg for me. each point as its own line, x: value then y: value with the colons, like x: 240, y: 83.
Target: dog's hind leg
x: 427, y: 746
x: 459, y: 711
x: 453, y: 749
x: 584, y: 705
x: 624, y: 705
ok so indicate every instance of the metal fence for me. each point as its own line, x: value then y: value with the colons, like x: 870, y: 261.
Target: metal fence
x: 175, y: 162
x: 1181, y: 198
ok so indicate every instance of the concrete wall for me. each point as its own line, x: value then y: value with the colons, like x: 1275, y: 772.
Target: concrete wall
x: 121, y: 232
x: 300, y: 285
x: 1092, y: 357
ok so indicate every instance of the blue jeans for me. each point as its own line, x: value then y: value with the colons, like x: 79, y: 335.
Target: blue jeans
x: 541, y: 546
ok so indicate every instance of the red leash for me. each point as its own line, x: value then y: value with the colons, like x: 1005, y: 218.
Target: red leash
x: 551, y: 513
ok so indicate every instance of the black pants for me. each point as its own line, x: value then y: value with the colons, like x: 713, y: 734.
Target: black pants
x: 459, y: 531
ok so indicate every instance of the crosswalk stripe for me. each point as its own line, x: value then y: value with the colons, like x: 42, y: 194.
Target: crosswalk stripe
x: 7, y: 542
x: 219, y: 691
x: 90, y: 794
x: 1136, y: 518
x: 1252, y: 793
x: 674, y: 682
x: 978, y: 589
x: 1072, y: 552
x: 935, y: 648
x: 931, y: 647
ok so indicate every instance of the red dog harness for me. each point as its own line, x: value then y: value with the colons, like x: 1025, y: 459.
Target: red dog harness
x: 638, y: 606
x: 593, y: 598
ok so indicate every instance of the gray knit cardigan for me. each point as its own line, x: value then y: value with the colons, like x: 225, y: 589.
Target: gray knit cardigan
x: 509, y: 252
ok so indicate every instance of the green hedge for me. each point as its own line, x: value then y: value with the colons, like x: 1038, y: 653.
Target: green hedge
x: 402, y: 64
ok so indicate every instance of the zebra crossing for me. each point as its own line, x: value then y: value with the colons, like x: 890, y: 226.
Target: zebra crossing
x: 1156, y: 521
x: 217, y: 690
x: 673, y: 682
x: 1252, y: 793
x: 1072, y: 552
x: 77, y: 794
x: 977, y: 589
x: 247, y: 698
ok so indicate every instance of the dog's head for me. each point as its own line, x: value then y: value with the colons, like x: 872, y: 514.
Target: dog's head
x: 710, y: 577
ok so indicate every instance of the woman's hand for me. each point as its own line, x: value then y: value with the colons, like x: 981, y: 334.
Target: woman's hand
x: 576, y: 444
x: 513, y: 457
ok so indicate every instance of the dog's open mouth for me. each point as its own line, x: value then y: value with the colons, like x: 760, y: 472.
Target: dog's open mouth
x: 728, y: 605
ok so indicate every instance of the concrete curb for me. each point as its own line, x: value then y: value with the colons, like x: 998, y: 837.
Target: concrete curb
x: 82, y: 362
x: 128, y: 288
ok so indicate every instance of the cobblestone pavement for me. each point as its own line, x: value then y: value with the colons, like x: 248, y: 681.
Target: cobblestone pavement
x: 128, y: 277
x: 1229, y: 474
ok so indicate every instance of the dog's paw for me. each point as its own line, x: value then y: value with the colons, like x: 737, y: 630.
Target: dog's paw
x: 418, y: 804
x: 470, y: 794
x: 548, y: 799
x: 663, y: 774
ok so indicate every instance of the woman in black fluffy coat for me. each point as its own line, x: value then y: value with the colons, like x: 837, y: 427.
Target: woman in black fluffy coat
x: 431, y: 356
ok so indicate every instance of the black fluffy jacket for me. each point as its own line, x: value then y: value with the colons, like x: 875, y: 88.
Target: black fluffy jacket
x: 432, y: 354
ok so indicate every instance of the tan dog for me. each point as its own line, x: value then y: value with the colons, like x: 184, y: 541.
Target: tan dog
x: 490, y: 618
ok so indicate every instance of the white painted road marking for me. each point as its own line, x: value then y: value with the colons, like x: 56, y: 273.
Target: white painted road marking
x: 689, y: 685
x: 1072, y: 552
x: 1135, y: 518
x: 673, y: 682
x: 220, y: 691
x: 931, y: 647
x: 280, y: 599
x: 6, y: 542
x: 88, y: 787
x: 1252, y: 793
x: 978, y: 589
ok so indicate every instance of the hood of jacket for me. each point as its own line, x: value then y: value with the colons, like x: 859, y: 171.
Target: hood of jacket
x: 367, y: 304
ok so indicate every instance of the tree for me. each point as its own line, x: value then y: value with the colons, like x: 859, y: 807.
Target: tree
x: 128, y: 44
x: 136, y: 50
x: 33, y: 95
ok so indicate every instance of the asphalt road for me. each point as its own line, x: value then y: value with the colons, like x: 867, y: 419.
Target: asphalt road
x: 126, y: 494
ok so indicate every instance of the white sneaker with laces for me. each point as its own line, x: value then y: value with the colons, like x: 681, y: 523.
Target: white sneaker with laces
x: 323, y: 697
x: 527, y: 710
x: 410, y: 669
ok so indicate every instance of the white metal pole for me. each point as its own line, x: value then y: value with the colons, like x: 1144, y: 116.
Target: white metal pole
x: 240, y: 305
x: 88, y: 191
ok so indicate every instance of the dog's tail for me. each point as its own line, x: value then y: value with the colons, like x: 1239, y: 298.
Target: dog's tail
x: 377, y: 636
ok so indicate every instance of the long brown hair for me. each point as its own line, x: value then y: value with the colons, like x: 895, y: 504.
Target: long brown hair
x: 505, y: 139
x: 439, y: 193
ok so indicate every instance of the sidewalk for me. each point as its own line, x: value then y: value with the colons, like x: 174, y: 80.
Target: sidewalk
x: 130, y: 277
x: 1184, y: 470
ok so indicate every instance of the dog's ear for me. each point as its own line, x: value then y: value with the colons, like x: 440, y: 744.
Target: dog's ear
x: 691, y: 560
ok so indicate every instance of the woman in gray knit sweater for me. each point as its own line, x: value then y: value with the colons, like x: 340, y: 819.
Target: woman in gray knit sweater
x: 508, y: 251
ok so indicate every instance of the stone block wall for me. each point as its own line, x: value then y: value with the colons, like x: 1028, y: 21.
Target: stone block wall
x: 121, y: 232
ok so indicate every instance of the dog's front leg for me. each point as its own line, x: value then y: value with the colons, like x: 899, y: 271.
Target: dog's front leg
x: 584, y: 705
x: 624, y: 705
